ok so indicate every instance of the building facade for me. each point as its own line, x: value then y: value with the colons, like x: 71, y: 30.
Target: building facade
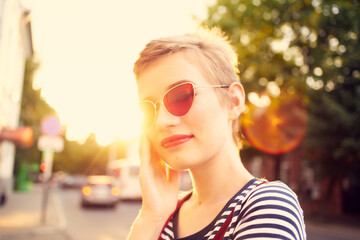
x: 15, y: 47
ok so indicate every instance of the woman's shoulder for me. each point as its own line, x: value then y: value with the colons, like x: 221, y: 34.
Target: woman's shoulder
x: 272, y: 206
x: 275, y: 191
x: 275, y: 194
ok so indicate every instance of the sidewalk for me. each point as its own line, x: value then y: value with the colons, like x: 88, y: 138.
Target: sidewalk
x: 335, y: 231
x: 341, y: 228
x: 22, y: 218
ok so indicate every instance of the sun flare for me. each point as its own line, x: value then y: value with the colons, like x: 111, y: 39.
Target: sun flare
x: 87, y: 50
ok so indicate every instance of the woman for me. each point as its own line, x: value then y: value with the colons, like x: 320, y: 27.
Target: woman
x: 191, y: 100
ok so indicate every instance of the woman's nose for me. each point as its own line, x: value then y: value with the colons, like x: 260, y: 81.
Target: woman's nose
x: 164, y: 119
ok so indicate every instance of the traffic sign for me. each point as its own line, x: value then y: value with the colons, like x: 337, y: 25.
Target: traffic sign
x: 50, y: 143
x: 50, y: 125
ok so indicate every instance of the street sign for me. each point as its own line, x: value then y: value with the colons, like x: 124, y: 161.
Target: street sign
x: 50, y: 143
x: 51, y: 126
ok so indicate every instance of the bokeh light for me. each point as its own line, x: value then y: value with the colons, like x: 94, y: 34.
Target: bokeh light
x: 277, y: 127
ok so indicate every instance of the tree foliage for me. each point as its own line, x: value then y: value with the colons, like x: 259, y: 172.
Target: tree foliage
x: 33, y: 109
x: 82, y: 158
x: 310, y: 47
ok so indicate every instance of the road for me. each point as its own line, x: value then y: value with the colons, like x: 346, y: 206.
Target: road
x: 110, y: 224
x: 97, y: 223
x: 66, y: 220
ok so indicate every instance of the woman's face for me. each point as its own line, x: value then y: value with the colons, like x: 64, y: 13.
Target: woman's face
x: 187, y: 141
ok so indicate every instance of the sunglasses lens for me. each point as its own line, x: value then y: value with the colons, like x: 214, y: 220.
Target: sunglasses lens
x: 178, y: 101
x: 148, y: 113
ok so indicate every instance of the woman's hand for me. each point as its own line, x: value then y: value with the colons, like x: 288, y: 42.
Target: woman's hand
x: 159, y: 189
x: 159, y: 183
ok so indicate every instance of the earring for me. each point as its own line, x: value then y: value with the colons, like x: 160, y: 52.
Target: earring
x: 235, y: 113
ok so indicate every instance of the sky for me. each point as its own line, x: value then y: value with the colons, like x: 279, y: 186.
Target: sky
x: 86, y: 50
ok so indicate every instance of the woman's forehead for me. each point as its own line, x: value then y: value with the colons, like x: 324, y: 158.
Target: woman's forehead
x: 166, y: 72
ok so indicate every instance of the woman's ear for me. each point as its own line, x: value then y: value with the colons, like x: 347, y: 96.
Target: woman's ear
x: 237, y: 93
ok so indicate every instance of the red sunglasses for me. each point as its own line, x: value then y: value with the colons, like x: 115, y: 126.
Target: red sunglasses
x: 177, y: 101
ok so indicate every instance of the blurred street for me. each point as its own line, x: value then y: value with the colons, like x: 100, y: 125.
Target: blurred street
x: 67, y: 220
x: 69, y: 106
x: 20, y: 218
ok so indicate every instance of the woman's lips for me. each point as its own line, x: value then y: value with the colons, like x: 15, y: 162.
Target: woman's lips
x: 175, y: 140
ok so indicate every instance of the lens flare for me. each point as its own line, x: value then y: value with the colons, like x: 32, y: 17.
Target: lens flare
x: 278, y: 127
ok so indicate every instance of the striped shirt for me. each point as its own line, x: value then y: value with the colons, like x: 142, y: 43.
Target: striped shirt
x: 261, y: 211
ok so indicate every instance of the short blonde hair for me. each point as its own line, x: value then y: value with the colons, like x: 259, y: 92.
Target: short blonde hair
x: 211, y: 51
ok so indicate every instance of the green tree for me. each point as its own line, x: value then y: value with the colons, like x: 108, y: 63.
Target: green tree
x: 82, y: 158
x: 310, y: 47
x: 33, y: 109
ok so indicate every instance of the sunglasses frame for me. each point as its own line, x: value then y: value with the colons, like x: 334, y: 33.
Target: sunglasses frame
x: 156, y: 104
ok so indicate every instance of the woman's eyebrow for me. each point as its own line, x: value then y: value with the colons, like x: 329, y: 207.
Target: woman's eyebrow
x: 178, y: 83
x: 151, y: 99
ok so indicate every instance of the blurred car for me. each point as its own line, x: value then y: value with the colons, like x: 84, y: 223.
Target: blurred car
x: 100, y: 190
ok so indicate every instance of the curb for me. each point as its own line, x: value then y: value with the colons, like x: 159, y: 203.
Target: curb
x: 58, y: 225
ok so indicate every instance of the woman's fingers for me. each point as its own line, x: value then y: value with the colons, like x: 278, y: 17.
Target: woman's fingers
x: 144, y: 150
x: 152, y: 168
x: 159, y: 183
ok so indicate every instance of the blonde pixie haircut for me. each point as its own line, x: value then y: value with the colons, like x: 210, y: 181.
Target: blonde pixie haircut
x: 209, y: 49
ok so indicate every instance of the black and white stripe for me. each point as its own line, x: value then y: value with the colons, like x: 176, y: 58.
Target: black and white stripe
x: 266, y: 211
x: 271, y: 211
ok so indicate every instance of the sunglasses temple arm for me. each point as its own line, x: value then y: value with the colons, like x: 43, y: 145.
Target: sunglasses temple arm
x: 214, y: 86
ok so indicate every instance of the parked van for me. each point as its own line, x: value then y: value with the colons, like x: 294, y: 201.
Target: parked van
x: 126, y: 174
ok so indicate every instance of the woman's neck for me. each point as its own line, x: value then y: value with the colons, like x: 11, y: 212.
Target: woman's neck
x: 219, y: 178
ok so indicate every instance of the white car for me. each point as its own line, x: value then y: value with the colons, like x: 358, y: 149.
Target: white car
x: 99, y: 190
x: 126, y: 174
